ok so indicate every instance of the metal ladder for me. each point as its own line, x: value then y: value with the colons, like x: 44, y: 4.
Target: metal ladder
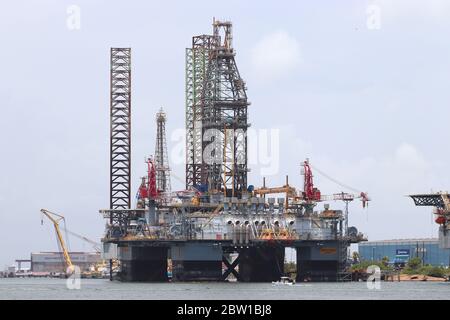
x: 342, y: 274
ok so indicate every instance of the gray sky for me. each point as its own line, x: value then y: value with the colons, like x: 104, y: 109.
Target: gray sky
x: 366, y: 100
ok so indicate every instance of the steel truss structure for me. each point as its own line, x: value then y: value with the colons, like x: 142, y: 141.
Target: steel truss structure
x: 120, y: 108
x: 161, y: 156
x: 434, y: 200
x: 216, y: 115
x: 197, y: 61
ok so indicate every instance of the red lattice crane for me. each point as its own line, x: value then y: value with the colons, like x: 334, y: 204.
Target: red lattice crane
x: 310, y: 193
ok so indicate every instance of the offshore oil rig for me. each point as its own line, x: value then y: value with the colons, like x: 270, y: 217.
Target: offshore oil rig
x: 220, y: 224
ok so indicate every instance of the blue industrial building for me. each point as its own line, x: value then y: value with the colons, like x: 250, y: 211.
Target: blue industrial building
x: 400, y: 251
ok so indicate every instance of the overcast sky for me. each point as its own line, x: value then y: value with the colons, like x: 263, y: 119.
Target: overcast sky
x: 360, y: 88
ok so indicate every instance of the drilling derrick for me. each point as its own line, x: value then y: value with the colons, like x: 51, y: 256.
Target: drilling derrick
x: 225, y: 118
x: 161, y: 157
x: 120, y: 108
x: 216, y: 116
x: 197, y: 61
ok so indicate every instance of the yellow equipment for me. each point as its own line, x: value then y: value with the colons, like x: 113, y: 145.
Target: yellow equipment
x: 195, y: 201
x: 267, y: 234
x: 56, y: 218
x: 290, y: 191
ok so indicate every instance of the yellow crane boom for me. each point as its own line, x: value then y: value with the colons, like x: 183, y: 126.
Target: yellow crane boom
x: 55, y: 219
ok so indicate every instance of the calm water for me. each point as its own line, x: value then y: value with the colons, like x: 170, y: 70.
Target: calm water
x: 17, y: 288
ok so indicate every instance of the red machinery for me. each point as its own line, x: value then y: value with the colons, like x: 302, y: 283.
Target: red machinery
x: 147, y: 188
x: 310, y: 193
x: 152, y: 191
x: 143, y: 191
x: 440, y: 216
x: 440, y: 220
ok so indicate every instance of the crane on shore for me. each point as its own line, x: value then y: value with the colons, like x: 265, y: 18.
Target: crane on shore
x: 70, y: 267
x: 56, y: 219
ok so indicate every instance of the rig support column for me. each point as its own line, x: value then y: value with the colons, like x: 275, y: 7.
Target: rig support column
x: 193, y: 261
x: 260, y: 264
x: 319, y: 261
x: 120, y: 131
x: 143, y: 263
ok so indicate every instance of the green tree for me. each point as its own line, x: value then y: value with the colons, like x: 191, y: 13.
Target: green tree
x: 413, y: 266
x: 363, y: 265
x: 414, y: 263
x: 433, y: 271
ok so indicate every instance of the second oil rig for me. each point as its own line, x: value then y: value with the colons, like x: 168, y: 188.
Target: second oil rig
x: 220, y: 224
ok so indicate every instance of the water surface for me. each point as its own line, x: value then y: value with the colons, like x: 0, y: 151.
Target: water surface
x: 42, y: 288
